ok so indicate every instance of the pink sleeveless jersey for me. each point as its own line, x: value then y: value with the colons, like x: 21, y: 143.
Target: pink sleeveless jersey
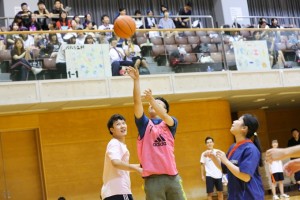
x: 156, y: 150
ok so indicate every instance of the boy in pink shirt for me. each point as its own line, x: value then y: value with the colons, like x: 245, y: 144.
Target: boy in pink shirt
x: 156, y: 145
x: 116, y: 180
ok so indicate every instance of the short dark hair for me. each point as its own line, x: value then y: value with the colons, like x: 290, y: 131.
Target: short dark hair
x: 61, y: 198
x: 41, y: 2
x: 121, y: 9
x: 102, y: 17
x: 23, y: 4
x: 137, y: 12
x: 294, y: 129
x: 112, y: 39
x: 112, y: 119
x: 164, y: 101
x: 189, y: 4
x: 57, y: 1
x: 208, y: 138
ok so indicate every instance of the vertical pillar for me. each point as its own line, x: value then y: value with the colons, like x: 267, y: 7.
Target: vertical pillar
x: 227, y: 10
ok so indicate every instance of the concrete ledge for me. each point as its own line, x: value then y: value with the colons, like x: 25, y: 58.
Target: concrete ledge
x: 62, y: 90
x: 255, y: 80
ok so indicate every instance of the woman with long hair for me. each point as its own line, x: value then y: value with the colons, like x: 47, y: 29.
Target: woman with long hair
x: 53, y: 45
x: 18, y: 54
x: 63, y: 23
x: 242, y: 160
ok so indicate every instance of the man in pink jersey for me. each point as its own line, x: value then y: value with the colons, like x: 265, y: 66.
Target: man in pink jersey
x: 156, y: 145
x: 116, y: 180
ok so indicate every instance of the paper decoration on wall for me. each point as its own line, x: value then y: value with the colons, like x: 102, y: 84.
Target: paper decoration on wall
x: 88, y: 61
x: 251, y: 55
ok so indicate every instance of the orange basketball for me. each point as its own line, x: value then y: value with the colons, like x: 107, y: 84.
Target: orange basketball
x: 124, y: 26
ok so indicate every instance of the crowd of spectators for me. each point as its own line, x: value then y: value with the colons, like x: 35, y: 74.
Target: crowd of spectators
x: 52, y: 45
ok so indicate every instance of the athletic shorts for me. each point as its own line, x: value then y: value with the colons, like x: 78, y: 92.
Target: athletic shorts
x: 297, y: 176
x: 120, y: 197
x: 164, y: 187
x: 277, y: 177
x: 212, y: 182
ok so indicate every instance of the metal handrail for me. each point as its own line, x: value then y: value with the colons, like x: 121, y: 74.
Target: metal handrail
x: 133, y: 16
x: 267, y: 17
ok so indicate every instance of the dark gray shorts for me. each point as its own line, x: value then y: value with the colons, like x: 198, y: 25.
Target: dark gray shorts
x: 164, y: 187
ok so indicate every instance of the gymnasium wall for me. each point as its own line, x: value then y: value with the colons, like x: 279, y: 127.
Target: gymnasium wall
x: 73, y: 145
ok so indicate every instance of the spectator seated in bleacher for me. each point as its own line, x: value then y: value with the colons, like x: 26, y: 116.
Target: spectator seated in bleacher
x: 20, y: 61
x: 118, y: 59
x: 150, y: 23
x: 81, y: 37
x: 42, y: 14
x: 274, y: 23
x: 52, y: 46
x: 106, y: 25
x: 162, y: 10
x: 10, y: 39
x: 25, y: 15
x: 19, y: 22
x: 138, y: 20
x: 184, y: 22
x: 133, y: 53
x: 78, y: 21
x: 34, y: 24
x: 57, y: 10
x: 89, y: 40
x: 63, y: 23
x: 88, y: 20
x: 167, y: 23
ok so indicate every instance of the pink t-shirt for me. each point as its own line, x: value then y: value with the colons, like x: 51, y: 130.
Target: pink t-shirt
x: 115, y: 181
x: 156, y: 150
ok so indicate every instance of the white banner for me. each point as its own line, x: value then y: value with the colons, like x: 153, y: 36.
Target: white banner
x: 251, y: 55
x: 88, y: 61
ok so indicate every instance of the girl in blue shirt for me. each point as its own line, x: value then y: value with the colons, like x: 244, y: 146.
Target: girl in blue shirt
x: 242, y: 161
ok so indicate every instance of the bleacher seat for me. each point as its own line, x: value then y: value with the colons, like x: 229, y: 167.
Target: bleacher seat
x: 194, y: 40
x: 201, y: 33
x: 205, y: 39
x: 5, y: 55
x: 212, y: 47
x: 140, y: 34
x: 170, y: 48
x: 216, y: 40
x: 158, y: 50
x: 217, y: 57
x: 190, y: 58
x: 226, y: 47
x: 181, y: 40
x: 156, y: 40
x: 169, y: 40
x: 141, y: 40
x: 189, y: 33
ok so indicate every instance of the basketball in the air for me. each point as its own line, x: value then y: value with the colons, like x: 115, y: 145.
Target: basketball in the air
x: 124, y: 26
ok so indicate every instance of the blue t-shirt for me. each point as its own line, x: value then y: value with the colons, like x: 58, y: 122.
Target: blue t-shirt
x: 144, y: 120
x: 246, y: 157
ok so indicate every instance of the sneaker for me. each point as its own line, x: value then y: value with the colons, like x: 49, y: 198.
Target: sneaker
x: 282, y: 196
x: 35, y: 70
x: 275, y: 197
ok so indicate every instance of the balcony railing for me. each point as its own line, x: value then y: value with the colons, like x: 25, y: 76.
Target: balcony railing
x: 164, y: 51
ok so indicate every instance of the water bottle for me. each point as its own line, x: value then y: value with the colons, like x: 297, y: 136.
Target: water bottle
x: 209, y: 69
